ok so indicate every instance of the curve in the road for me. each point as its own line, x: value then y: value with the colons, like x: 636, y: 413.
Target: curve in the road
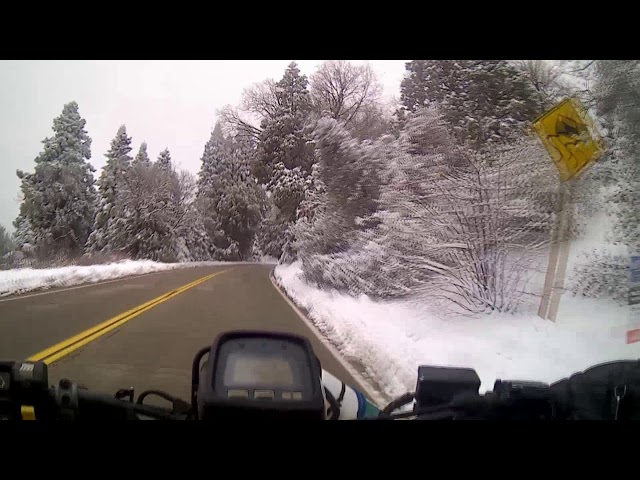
x: 68, y: 346
x: 156, y: 350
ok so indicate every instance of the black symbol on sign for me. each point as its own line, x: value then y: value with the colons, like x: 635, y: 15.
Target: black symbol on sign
x: 569, y: 126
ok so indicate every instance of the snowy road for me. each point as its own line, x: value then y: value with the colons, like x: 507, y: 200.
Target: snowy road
x: 109, y: 336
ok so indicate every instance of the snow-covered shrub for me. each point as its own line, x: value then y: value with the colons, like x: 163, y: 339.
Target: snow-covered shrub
x: 601, y: 275
x: 453, y: 218
x: 364, y: 270
x: 445, y: 221
x: 617, y: 95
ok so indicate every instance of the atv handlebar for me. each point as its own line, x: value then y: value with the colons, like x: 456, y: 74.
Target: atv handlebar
x: 68, y: 401
x: 95, y: 405
x: 606, y: 391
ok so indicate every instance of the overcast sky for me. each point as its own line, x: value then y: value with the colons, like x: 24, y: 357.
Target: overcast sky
x: 165, y: 103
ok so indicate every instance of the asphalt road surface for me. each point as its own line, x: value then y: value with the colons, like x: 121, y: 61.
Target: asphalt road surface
x: 147, y: 346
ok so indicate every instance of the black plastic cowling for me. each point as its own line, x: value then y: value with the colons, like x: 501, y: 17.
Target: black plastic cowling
x: 439, y: 385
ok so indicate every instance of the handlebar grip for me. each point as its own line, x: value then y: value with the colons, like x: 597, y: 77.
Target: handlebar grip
x: 87, y: 405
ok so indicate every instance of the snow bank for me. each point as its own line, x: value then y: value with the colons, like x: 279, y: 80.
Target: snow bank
x: 23, y: 280
x: 393, y: 338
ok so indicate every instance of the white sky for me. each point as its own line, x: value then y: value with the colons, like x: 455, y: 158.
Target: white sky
x: 165, y: 103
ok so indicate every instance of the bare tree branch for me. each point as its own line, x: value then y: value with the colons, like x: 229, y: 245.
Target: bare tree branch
x: 234, y: 124
x: 346, y: 92
x: 260, y: 99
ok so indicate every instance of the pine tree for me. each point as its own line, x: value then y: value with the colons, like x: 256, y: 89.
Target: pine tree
x: 213, y: 156
x: 287, y: 188
x: 217, y: 131
x: 164, y: 160
x: 6, y: 242
x: 23, y: 235
x: 111, y: 182
x: 484, y: 101
x: 283, y: 157
x: 167, y: 207
x: 193, y: 242
x: 228, y: 197
x: 137, y: 204
x: 142, y: 158
x: 158, y: 219
x: 59, y: 197
x: 283, y: 138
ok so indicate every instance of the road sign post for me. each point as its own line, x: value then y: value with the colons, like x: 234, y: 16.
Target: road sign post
x: 550, y: 276
x: 563, y: 242
x: 571, y: 139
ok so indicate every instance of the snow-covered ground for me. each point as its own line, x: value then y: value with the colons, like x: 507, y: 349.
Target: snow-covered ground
x: 393, y: 338
x: 23, y: 280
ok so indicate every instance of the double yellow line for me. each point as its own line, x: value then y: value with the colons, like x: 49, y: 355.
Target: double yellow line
x: 65, y: 347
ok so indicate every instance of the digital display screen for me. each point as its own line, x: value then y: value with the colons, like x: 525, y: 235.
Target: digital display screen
x: 257, y: 368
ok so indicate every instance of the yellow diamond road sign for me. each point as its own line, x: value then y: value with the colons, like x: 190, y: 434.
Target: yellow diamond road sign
x: 569, y: 135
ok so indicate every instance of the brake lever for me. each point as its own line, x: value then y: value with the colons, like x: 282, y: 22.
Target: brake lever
x: 125, y: 392
x: 180, y: 407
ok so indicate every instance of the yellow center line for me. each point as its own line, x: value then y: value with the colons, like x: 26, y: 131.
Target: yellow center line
x: 69, y: 345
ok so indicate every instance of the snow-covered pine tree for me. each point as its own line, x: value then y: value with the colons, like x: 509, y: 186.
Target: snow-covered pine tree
x: 168, y: 209
x: 283, y: 138
x: 213, y: 158
x: 6, y: 242
x: 137, y: 203
x: 484, y: 101
x: 23, y: 234
x: 59, y: 197
x: 158, y: 218
x: 228, y: 197
x: 106, y: 234
x: 285, y: 110
x: 193, y: 241
x: 188, y: 238
x: 287, y: 187
x: 164, y: 160
x: 283, y: 159
x: 287, y: 190
x: 137, y: 209
x: 142, y: 158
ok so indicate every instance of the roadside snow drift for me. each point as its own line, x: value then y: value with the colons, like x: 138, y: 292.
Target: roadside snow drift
x: 392, y: 339
x: 23, y: 280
